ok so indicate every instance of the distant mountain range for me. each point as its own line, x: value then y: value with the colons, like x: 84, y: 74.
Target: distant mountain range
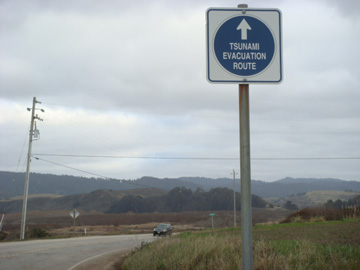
x: 98, y: 200
x: 12, y: 184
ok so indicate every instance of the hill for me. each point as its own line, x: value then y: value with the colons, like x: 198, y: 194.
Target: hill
x: 98, y: 200
x: 12, y: 184
x: 144, y: 200
x: 315, y: 198
x: 290, y: 186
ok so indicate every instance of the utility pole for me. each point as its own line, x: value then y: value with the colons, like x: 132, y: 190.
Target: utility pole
x: 1, y: 222
x: 233, y: 173
x: 26, y: 188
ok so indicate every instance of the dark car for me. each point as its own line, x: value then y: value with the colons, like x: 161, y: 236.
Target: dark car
x: 163, y: 229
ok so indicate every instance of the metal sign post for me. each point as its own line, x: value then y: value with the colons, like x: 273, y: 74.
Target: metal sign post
x: 246, y: 213
x: 212, y: 219
x: 74, y: 214
x: 244, y: 46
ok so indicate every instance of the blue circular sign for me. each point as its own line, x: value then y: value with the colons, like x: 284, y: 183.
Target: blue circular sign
x: 244, y: 46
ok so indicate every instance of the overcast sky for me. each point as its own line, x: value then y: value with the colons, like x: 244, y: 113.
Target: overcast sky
x: 127, y: 79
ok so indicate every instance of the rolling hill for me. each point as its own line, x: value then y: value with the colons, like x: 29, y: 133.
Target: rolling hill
x: 12, y: 184
x: 98, y: 200
x: 315, y: 198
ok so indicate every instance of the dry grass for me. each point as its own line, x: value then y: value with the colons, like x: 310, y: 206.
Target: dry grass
x: 32, y: 196
x: 323, y: 213
x: 284, y: 246
x: 321, y: 197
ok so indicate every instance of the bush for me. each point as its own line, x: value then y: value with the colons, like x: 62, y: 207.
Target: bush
x: 38, y: 233
x: 312, y: 213
x: 317, y: 219
x: 3, y: 235
x: 290, y: 206
x: 297, y: 219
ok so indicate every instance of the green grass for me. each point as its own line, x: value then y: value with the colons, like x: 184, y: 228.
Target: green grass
x: 320, y: 245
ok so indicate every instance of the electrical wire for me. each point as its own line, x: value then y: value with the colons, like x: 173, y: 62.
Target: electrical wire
x: 94, y: 174
x: 134, y: 157
x: 185, y: 158
x: 196, y: 158
x: 58, y: 164
x: 22, y: 150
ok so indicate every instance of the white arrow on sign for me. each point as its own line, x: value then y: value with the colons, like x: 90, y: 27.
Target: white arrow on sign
x: 244, y: 27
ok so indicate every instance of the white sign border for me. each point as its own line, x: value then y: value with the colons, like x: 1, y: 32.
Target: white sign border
x: 272, y: 18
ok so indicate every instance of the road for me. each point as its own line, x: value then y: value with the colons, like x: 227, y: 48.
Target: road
x: 66, y: 254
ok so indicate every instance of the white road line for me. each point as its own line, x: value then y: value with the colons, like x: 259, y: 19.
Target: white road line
x: 88, y: 259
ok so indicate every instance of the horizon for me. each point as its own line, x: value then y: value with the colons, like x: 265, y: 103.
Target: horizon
x: 164, y: 178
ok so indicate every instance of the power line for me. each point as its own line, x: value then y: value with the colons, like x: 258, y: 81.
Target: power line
x: 140, y: 185
x: 196, y: 158
x: 72, y: 168
x: 22, y: 150
x: 308, y: 158
x: 94, y: 174
x: 135, y: 157
x: 231, y: 115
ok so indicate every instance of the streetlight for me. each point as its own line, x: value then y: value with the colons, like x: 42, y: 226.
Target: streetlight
x: 36, y: 134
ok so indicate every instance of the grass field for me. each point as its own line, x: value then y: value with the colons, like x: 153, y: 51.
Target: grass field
x: 306, y: 245
x: 32, y: 196
x: 315, y: 198
x: 321, y: 197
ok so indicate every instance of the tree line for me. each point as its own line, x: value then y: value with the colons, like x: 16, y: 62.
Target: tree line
x: 181, y: 199
x: 339, y: 204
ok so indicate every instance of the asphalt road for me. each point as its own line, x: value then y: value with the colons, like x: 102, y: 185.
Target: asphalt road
x: 65, y: 254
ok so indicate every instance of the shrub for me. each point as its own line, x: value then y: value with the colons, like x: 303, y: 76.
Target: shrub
x: 317, y: 219
x: 290, y: 206
x: 38, y: 233
x: 3, y: 235
x: 308, y: 213
x: 297, y: 219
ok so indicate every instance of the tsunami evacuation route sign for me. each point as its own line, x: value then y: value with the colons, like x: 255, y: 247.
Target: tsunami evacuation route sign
x: 244, y: 45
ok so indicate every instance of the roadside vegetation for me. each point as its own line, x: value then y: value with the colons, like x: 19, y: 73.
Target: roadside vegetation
x: 39, y: 233
x: 305, y: 241
x: 59, y: 223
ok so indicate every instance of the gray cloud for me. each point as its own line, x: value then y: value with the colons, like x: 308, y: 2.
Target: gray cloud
x: 128, y: 79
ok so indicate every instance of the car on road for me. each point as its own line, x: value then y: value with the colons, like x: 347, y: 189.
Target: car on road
x: 163, y: 230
